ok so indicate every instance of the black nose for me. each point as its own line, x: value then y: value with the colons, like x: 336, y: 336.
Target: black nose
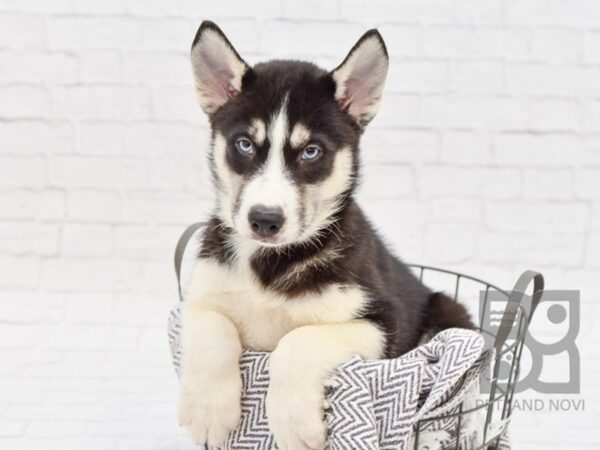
x: 265, y: 221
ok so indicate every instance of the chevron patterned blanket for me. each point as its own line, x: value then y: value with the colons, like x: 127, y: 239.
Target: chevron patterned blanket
x: 377, y: 405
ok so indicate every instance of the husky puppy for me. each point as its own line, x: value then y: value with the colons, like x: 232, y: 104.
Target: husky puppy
x: 288, y: 261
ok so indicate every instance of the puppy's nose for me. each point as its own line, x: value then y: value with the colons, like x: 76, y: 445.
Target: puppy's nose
x: 266, y: 221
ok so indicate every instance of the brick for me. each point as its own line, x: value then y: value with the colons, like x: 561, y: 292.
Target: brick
x: 396, y: 110
x: 311, y: 9
x: 102, y: 66
x: 408, y: 10
x: 183, y: 173
x: 93, y: 33
x: 587, y: 183
x: 146, y: 242
x: 536, y: 149
x: 173, y: 103
x: 409, y: 146
x: 97, y: 172
x: 94, y: 206
x: 154, y: 67
x: 577, y: 13
x: 456, y: 210
x: 27, y: 204
x: 87, y: 240
x: 402, y: 39
x: 466, y: 147
x: 18, y: 172
x: 18, y: 335
x: 589, y: 152
x: 592, y: 251
x: 90, y: 308
x: 170, y: 33
x: 592, y: 47
x: 379, y: 177
x: 308, y: 38
x: 101, y: 139
x: 556, y: 114
x: 153, y: 138
x: 563, y: 217
x: 417, y: 75
x: 479, y: 111
x: 55, y: 428
x: 24, y: 102
x: 19, y: 272
x: 21, y: 31
x: 162, y: 208
x: 66, y: 275
x: 591, y: 114
x: 440, y: 181
x: 449, y: 243
x: 547, y: 249
x: 548, y: 184
x: 557, y: 45
x: 100, y: 8
x: 478, y: 76
x: 37, y: 6
x: 29, y: 238
x: 469, y: 42
x: 12, y: 428
x: 208, y: 8
x: 479, y: 11
x: 103, y: 102
x: 538, y: 79
x: 34, y: 137
x: 35, y: 67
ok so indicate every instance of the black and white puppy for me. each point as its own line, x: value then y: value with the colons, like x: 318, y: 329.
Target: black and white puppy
x: 288, y: 262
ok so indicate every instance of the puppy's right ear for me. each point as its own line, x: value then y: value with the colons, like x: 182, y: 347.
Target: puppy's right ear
x: 217, y: 67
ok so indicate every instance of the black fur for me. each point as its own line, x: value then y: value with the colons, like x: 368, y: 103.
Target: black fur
x: 349, y: 251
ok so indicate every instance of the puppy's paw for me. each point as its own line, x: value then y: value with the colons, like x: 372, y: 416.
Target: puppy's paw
x: 210, y: 410
x: 295, y: 415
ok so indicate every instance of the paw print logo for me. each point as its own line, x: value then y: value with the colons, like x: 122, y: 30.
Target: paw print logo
x: 550, y: 361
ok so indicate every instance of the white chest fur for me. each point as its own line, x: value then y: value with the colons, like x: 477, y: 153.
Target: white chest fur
x: 263, y: 317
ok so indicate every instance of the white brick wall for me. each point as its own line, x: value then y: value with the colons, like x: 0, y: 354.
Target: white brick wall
x: 485, y: 158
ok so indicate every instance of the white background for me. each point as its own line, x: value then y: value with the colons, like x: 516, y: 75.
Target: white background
x: 484, y: 158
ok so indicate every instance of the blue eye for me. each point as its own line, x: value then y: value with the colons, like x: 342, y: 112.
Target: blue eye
x: 311, y: 153
x: 244, y: 146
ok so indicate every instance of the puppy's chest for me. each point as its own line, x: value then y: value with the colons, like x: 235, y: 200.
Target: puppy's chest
x: 261, y: 316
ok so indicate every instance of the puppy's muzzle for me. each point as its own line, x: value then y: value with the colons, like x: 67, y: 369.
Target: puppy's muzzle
x: 266, y: 221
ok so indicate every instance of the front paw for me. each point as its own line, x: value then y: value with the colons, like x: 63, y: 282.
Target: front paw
x: 210, y: 410
x: 295, y: 415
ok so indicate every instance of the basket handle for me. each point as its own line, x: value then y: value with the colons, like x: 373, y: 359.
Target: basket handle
x: 516, y: 301
x: 180, y: 250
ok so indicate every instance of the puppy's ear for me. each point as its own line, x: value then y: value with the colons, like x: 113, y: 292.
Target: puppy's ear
x: 217, y: 67
x: 359, y: 80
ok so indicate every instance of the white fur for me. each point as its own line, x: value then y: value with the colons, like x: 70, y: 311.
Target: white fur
x: 272, y: 186
x: 229, y: 183
x: 262, y: 317
x: 300, y: 136
x: 211, y: 384
x: 225, y: 308
x: 300, y: 366
x: 258, y: 131
x: 324, y: 196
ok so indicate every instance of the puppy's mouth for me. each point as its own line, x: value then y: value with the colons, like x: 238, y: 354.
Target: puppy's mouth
x: 276, y: 240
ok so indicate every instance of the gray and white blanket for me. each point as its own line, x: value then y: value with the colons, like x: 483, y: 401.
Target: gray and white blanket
x: 378, y: 405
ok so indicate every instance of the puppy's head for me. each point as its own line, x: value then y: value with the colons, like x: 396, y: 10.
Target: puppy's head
x: 284, y: 134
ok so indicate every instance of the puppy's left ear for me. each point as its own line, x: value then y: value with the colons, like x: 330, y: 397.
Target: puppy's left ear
x: 217, y: 67
x: 359, y: 80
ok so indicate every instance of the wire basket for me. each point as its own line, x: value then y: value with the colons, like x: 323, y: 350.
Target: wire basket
x: 507, y: 339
